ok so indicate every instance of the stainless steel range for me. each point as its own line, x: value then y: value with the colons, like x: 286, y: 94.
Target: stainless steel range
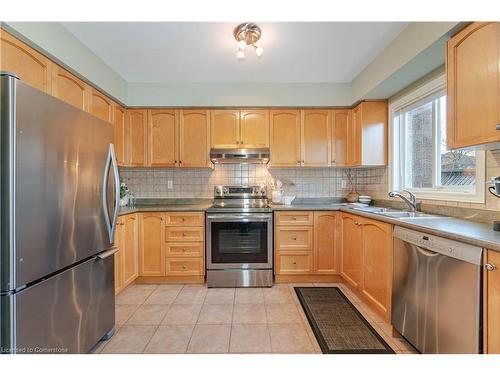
x: 239, y: 238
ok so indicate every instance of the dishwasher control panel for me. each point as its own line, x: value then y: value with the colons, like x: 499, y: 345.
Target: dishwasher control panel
x: 459, y: 250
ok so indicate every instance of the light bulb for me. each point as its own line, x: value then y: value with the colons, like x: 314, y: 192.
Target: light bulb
x: 240, y: 54
x: 259, y: 51
x: 242, y: 44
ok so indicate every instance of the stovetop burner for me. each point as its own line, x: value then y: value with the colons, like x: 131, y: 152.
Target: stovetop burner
x: 240, y: 199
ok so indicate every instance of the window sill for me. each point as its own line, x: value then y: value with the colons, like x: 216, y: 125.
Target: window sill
x: 449, y: 196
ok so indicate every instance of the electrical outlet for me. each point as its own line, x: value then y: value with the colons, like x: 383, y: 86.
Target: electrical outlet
x: 170, y: 184
x: 343, y: 184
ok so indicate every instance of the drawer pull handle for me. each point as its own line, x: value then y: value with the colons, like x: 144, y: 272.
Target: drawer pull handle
x: 294, y: 262
x: 183, y: 234
x: 183, y: 219
x: 183, y: 250
x: 184, y: 267
x: 294, y: 218
x: 294, y: 238
x: 497, y: 127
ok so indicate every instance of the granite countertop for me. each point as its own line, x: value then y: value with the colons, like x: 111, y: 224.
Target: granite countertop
x: 466, y: 231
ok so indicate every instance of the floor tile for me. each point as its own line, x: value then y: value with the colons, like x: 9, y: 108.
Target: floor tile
x: 182, y: 314
x: 210, y: 338
x: 246, y: 313
x: 250, y: 338
x: 277, y: 294
x: 249, y: 295
x: 135, y: 295
x: 194, y: 295
x: 164, y: 295
x: 216, y: 314
x: 129, y: 339
x: 124, y: 312
x: 220, y: 296
x: 290, y: 338
x: 170, y: 339
x: 282, y: 313
x: 148, y: 315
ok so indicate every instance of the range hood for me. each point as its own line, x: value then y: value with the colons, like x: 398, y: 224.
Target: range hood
x: 239, y: 155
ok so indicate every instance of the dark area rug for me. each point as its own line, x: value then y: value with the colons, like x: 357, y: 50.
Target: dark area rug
x: 338, y: 326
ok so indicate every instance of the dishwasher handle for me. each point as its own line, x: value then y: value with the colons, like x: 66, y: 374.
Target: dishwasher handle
x: 427, y: 253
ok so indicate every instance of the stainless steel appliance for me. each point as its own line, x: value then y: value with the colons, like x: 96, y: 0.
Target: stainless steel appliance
x: 239, y: 156
x: 239, y: 238
x: 436, y: 293
x: 59, y: 203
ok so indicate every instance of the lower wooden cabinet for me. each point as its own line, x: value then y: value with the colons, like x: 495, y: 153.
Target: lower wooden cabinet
x: 352, y: 241
x: 151, y: 244
x: 119, y: 241
x: 126, y: 258
x: 492, y: 303
x: 326, y: 230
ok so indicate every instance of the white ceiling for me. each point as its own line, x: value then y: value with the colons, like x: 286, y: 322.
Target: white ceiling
x: 206, y: 52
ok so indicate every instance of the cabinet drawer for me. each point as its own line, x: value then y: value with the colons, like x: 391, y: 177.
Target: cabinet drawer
x: 185, y: 266
x: 186, y: 249
x: 184, y: 234
x: 294, y: 218
x: 294, y: 238
x: 185, y: 219
x: 289, y: 263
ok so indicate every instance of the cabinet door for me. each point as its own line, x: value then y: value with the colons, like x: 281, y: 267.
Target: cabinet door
x: 69, y: 88
x: 325, y: 242
x: 315, y: 135
x: 225, y: 128
x: 377, y: 264
x: 285, y: 138
x: 254, y: 128
x: 294, y: 263
x: 340, y: 126
x: 120, y: 135
x: 472, y: 85
x: 130, y: 253
x: 351, y: 250
x: 137, y: 123
x: 354, y: 138
x: 119, y: 243
x: 151, y: 244
x: 30, y: 66
x: 101, y: 106
x: 194, y: 139
x: 162, y: 136
x: 492, y: 304
x: 372, y: 125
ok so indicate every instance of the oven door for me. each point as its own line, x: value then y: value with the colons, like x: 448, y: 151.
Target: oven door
x: 239, y: 240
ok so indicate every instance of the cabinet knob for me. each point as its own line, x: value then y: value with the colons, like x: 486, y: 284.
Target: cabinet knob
x: 294, y: 218
x: 490, y: 267
x: 183, y: 219
x: 175, y: 161
x: 294, y: 238
x: 294, y: 262
x: 184, y: 267
x: 497, y: 127
x: 183, y: 234
x: 183, y: 250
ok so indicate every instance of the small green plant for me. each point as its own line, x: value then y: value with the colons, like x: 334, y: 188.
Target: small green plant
x: 124, y: 191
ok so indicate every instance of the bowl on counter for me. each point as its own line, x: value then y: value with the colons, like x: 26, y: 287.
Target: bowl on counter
x: 366, y: 199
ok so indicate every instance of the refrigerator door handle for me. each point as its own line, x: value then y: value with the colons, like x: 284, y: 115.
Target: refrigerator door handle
x: 117, y: 191
x: 107, y: 253
x: 105, y: 202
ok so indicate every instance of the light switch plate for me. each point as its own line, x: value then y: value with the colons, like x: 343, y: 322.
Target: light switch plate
x: 343, y: 184
x: 170, y: 184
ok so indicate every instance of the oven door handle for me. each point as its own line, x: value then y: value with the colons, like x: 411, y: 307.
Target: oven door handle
x: 240, y: 217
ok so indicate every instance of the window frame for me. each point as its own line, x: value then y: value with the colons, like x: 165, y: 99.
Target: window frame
x: 396, y: 171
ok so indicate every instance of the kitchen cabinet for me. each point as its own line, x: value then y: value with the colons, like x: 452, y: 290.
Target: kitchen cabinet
x: 119, y: 243
x: 351, y: 253
x: 473, y: 92
x: 194, y: 139
x: 315, y: 134
x: 69, y: 88
x: 130, y: 249
x: 325, y: 242
x: 30, y: 66
x: 492, y: 302
x: 101, y: 106
x: 239, y: 128
x: 151, y: 244
x: 137, y: 128
x: 341, y: 119
x: 162, y: 134
x: 120, y: 135
x: 285, y: 138
x: 367, y: 134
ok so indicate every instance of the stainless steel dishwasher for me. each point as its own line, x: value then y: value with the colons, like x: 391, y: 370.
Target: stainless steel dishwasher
x: 436, y: 293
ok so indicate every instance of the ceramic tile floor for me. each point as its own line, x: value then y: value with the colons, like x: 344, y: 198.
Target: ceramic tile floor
x: 196, y: 319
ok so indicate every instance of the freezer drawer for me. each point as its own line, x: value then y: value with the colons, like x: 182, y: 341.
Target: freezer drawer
x: 67, y: 313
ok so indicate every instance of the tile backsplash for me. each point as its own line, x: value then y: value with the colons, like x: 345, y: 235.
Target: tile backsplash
x: 301, y: 182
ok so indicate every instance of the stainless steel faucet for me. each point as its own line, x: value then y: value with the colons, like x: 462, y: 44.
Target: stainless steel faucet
x: 412, y: 202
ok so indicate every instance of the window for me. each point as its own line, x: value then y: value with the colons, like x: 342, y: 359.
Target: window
x: 421, y: 162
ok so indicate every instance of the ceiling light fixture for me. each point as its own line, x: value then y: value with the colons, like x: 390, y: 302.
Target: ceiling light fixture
x: 247, y: 34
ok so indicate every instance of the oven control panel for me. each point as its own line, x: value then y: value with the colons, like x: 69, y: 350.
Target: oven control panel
x: 223, y: 191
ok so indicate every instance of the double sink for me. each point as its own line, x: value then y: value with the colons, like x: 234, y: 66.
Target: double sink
x: 396, y: 214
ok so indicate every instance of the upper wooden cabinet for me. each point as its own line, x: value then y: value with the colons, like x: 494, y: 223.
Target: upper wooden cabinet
x: 120, y: 135
x: 101, y: 106
x: 492, y: 303
x: 69, y: 88
x: 341, y: 124
x: 473, y: 89
x: 137, y: 131
x: 239, y: 128
x: 285, y: 138
x: 30, y: 66
x: 162, y: 134
x: 194, y: 138
x: 367, y: 136
x: 315, y: 134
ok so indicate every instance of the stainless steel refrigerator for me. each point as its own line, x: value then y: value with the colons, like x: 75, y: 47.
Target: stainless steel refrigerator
x: 59, y: 190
